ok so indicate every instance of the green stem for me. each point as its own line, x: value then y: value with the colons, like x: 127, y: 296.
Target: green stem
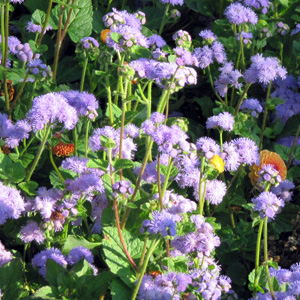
x: 143, y: 255
x: 86, y: 60
x: 266, y: 256
x: 242, y: 47
x: 200, y: 185
x: 75, y: 139
x: 212, y: 86
x: 40, y: 151
x: 170, y: 165
x: 241, y: 99
x: 108, y: 90
x: 86, y: 152
x: 265, y: 117
x: 58, y: 44
x: 55, y: 166
x: 221, y: 139
x: 28, y: 144
x: 158, y: 183
x: 261, y: 224
x: 45, y: 23
x: 221, y: 9
x: 164, y: 19
x: 149, y: 253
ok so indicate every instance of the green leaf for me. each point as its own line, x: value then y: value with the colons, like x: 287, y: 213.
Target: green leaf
x: 82, y: 268
x: 237, y: 273
x: 32, y: 5
x: 282, y: 222
x: 206, y: 104
x: 29, y: 187
x: 54, y: 269
x: 44, y: 292
x: 38, y: 17
x: 296, y: 48
x: 284, y: 2
x: 97, y: 164
x: 116, y: 111
x: 123, y: 163
x: 119, y: 290
x: 11, y: 279
x: 78, y: 241
x: 115, y: 36
x: 67, y: 70
x: 138, y: 51
x: 81, y: 21
x: 294, y: 172
x: 262, y: 276
x: 283, y: 151
x: 113, y: 250
x: 14, y: 171
x: 291, y: 125
x: 97, y: 22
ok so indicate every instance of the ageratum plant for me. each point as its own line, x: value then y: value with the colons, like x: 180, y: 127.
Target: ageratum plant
x: 149, y: 150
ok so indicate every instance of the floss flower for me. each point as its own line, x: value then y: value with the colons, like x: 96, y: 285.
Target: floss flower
x: 32, y: 232
x: 51, y: 108
x: 5, y: 256
x: 223, y: 121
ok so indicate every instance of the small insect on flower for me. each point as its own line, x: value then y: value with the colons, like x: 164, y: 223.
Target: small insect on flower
x: 154, y: 274
x: 57, y: 215
x: 218, y: 163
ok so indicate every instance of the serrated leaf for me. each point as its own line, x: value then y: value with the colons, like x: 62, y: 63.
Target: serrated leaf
x: 29, y: 187
x: 123, y: 163
x: 97, y: 164
x: 119, y: 290
x: 78, y: 241
x: 113, y: 250
x: 44, y: 292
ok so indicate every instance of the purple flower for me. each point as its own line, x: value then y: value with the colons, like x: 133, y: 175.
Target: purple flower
x: 239, y: 14
x: 219, y: 52
x: 267, y: 204
x: 296, y: 30
x: 208, y: 147
x: 129, y: 36
x: 99, y: 203
x: 246, y: 37
x: 77, y: 253
x: 215, y: 191
x: 89, y: 41
x: 284, y: 190
x: 172, y: 2
x: 223, y: 121
x: 39, y: 260
x: 76, y: 164
x: 51, y: 108
x: 247, y: 150
x: 11, y: 203
x: 36, y: 66
x: 83, y: 102
x: 264, y: 70
x: 13, y: 42
x: 32, y: 232
x: 163, y: 222
x: 113, y: 19
x: 231, y: 156
x: 132, y: 131
x: 13, y: 134
x: 156, y: 41
x: 182, y: 39
x: 5, y: 256
x: 252, y: 106
x: 184, y: 57
x: 264, y: 4
x: 17, y: 1
x: 157, y: 117
x: 31, y: 27
x: 122, y: 187
x: 204, y: 57
x: 208, y: 35
x: 268, y: 174
x: 24, y: 52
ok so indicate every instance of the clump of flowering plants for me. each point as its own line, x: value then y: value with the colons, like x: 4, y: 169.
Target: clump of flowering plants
x: 146, y: 146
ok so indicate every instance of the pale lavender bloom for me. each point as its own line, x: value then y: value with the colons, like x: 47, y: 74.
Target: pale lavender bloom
x: 264, y: 4
x: 252, y: 106
x: 282, y: 28
x: 16, y: 133
x: 215, y: 191
x: 99, y: 203
x: 76, y: 164
x: 51, y: 108
x: 267, y: 204
x: 182, y: 39
x: 113, y: 19
x: 284, y: 190
x: 184, y: 57
x: 88, y: 42
x: 156, y: 41
x: 163, y: 222
x: 77, y: 253
x: 172, y: 2
x: 239, y: 14
x: 24, y: 52
x: 208, y: 35
x: 223, y: 121
x: 268, y: 174
x: 230, y: 156
x: 11, y: 203
x: 132, y: 131
x: 122, y: 187
x: 247, y: 150
x: 208, y: 147
x: 32, y: 232
x: 264, y: 70
x: 204, y: 57
x: 39, y: 260
x: 130, y: 36
x: 87, y: 183
x: 13, y: 42
x: 83, y: 102
x: 246, y: 37
x: 17, y: 1
x: 5, y: 256
x: 157, y: 117
x: 219, y: 52
x: 31, y: 27
x: 36, y: 66
x: 159, y: 55
x: 296, y: 30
